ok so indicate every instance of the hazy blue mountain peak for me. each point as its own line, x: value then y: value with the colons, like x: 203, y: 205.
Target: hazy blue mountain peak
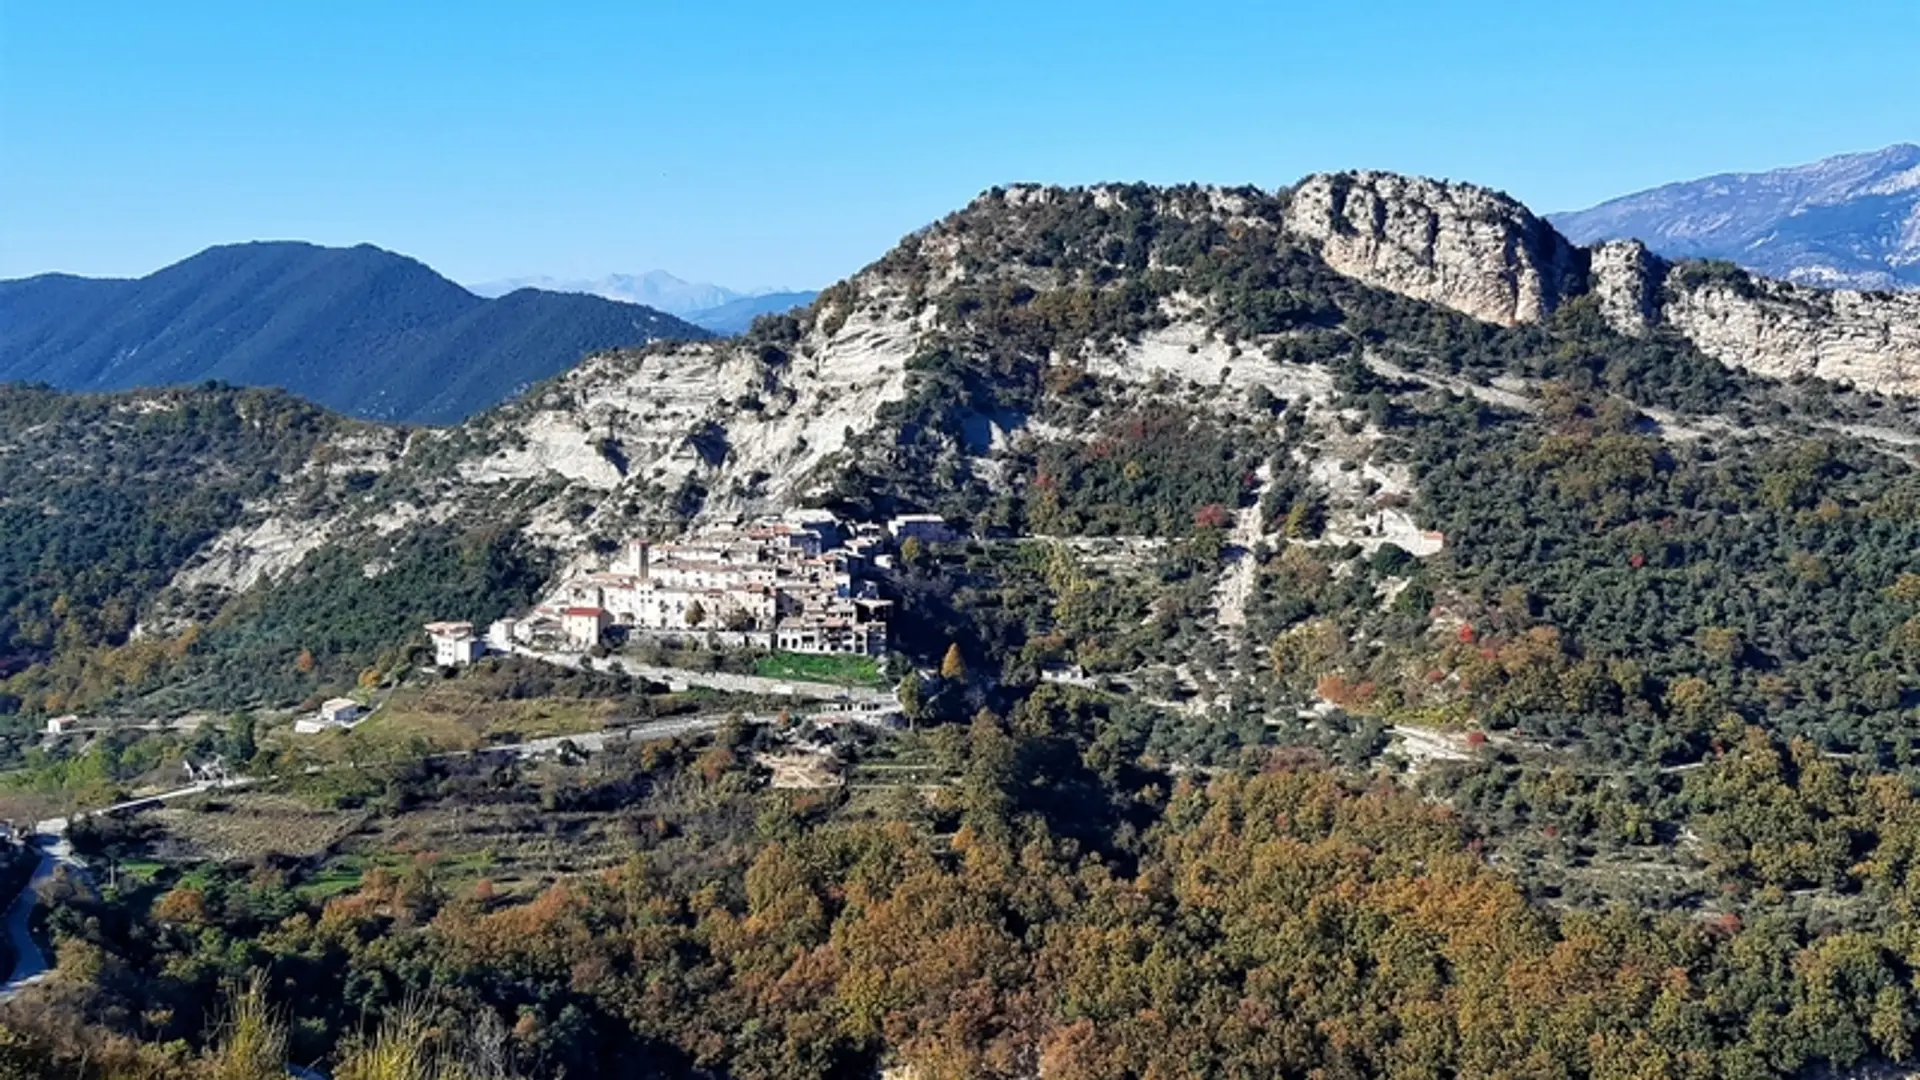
x: 359, y: 329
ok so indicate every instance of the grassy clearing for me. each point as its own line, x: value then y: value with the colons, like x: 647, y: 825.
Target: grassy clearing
x: 450, y: 716
x: 462, y: 720
x: 251, y: 825
x: 844, y: 670
x: 142, y: 870
x: 329, y: 883
x: 343, y: 873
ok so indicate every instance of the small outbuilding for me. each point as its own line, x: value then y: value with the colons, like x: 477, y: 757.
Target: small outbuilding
x: 335, y: 713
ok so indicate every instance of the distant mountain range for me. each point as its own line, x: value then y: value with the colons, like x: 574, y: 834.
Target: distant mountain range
x: 735, y: 316
x: 715, y: 307
x: 361, y: 330
x: 1851, y: 221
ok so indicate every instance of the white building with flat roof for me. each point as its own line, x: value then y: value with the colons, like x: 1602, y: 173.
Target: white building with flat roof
x: 926, y: 528
x: 454, y: 644
x: 336, y: 714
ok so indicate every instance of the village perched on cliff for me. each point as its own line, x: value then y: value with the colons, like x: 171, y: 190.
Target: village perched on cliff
x: 798, y: 583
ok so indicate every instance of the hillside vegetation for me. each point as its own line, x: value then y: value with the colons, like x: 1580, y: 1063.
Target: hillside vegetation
x: 1332, y: 683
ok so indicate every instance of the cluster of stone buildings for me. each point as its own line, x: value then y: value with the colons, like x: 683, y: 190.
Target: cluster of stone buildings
x: 788, y: 584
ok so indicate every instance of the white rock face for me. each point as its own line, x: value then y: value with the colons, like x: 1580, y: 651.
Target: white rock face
x: 1187, y: 351
x: 1482, y: 254
x: 552, y: 442
x: 276, y: 535
x: 748, y: 433
x: 1467, y: 248
x: 1867, y: 340
x: 1625, y: 279
x: 839, y: 390
x: 241, y: 558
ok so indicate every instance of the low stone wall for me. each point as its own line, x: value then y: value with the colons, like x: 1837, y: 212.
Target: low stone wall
x: 703, y: 639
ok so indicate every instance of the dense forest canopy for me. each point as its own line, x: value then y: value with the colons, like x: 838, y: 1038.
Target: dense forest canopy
x: 107, y: 497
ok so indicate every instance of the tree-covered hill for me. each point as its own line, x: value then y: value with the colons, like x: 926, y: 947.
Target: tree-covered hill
x: 120, y: 513
x: 1522, y: 696
x: 360, y: 330
x: 104, y: 498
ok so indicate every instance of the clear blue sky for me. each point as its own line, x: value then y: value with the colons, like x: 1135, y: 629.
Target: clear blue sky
x: 789, y: 144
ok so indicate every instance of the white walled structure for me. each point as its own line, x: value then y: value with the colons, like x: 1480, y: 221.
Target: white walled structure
x: 454, y: 644
x: 334, y: 714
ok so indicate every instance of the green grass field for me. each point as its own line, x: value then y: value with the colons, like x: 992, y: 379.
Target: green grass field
x: 343, y: 873
x: 845, y: 670
x: 142, y: 870
x: 331, y: 881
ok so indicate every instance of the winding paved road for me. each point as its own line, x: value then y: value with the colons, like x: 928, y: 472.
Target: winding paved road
x: 29, y: 961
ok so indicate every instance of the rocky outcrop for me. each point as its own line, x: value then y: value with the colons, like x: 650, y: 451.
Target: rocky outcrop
x: 1867, y: 340
x: 1480, y: 253
x: 1467, y: 248
x: 1625, y: 278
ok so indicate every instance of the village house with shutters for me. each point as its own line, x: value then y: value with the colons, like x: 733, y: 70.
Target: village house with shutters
x: 790, y: 584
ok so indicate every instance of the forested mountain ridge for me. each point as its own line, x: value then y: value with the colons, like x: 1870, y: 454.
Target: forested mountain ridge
x: 1847, y: 221
x: 965, y: 366
x: 1474, y: 666
x: 360, y: 330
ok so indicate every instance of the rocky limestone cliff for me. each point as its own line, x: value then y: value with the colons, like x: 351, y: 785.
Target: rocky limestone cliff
x: 1870, y: 341
x: 1485, y: 255
x: 1464, y: 247
x: 747, y: 430
x: 1625, y: 278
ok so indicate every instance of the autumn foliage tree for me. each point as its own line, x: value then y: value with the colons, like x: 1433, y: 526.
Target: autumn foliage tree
x: 953, y: 666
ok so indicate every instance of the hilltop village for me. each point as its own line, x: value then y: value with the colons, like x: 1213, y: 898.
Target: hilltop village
x: 797, y: 583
